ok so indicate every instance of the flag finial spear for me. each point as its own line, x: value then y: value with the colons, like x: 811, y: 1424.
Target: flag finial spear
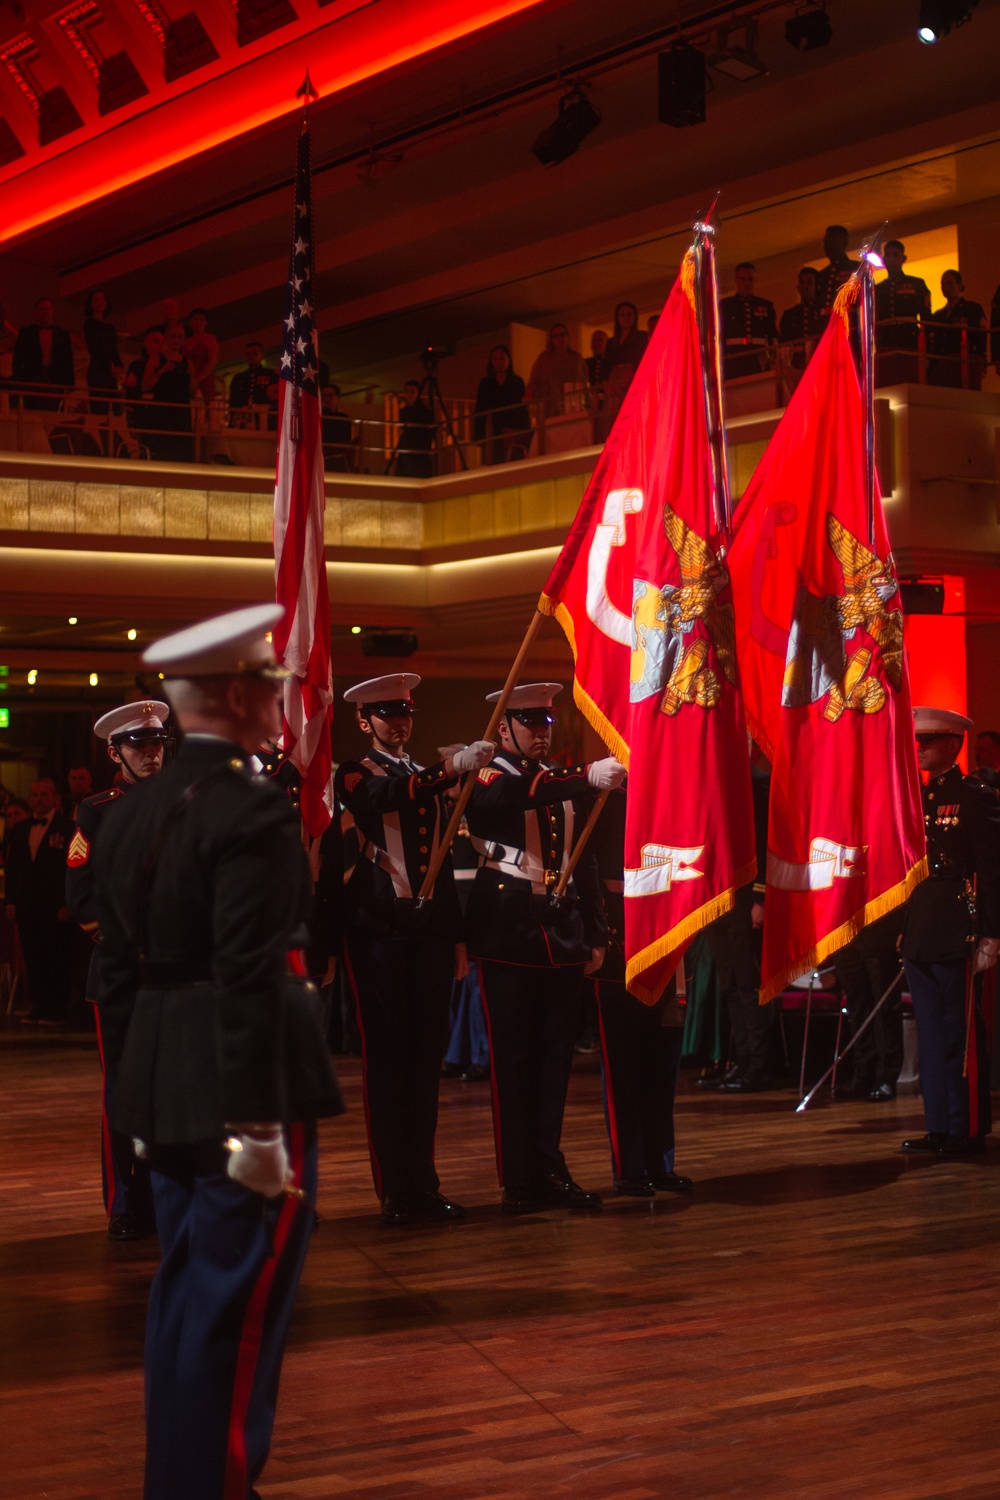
x: 306, y: 89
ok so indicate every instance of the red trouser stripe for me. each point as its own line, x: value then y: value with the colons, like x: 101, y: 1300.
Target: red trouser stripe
x: 609, y: 1089
x: 376, y: 1167
x: 109, y: 1157
x: 494, y: 1091
x: 236, y: 1482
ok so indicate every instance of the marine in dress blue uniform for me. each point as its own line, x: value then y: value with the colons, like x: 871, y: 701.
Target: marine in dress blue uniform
x: 401, y: 959
x: 951, y: 935
x: 640, y: 1044
x: 902, y: 303
x: 749, y: 327
x: 136, y: 736
x: 221, y: 1066
x: 523, y: 817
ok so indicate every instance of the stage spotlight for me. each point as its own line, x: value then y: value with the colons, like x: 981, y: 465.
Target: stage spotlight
x: 576, y: 119
x: 809, y: 29
x: 738, y: 62
x: 938, y: 17
x: 682, y: 86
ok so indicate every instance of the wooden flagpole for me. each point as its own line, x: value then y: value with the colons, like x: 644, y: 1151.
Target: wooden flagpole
x: 581, y: 844
x: 499, y: 709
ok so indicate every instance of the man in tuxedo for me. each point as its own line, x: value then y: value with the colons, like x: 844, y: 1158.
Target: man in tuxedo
x: 36, y: 900
x: 43, y: 356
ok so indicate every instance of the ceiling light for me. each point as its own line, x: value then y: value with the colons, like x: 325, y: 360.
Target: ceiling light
x: 739, y: 62
x: 355, y: 629
x: 72, y: 620
x: 809, y: 29
x: 32, y: 676
x: 94, y: 679
x: 577, y: 117
x: 938, y: 17
x: 132, y: 634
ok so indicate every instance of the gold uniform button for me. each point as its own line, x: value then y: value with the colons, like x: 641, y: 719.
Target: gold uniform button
x: 421, y: 830
x: 423, y: 869
x: 423, y: 848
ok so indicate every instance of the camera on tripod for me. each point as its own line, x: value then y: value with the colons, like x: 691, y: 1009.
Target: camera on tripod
x: 432, y: 354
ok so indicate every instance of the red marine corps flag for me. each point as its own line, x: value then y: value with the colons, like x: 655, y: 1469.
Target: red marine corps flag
x: 302, y: 639
x: 642, y: 591
x: 824, y: 671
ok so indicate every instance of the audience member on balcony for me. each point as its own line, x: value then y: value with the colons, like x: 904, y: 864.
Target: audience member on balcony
x: 172, y: 386
x: 627, y: 344
x: 105, y: 370
x: 556, y: 367
x: 338, y: 432
x: 840, y: 268
x: 902, y: 302
x: 253, y: 390
x: 414, y: 459
x: 749, y: 327
x: 201, y: 350
x: 956, y: 338
x: 172, y: 320
x: 801, y: 326
x: 615, y: 390
x: 139, y: 411
x: 503, y: 422
x: 598, y: 349
x: 43, y: 356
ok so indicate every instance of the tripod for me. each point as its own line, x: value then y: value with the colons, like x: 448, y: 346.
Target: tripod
x: 431, y: 391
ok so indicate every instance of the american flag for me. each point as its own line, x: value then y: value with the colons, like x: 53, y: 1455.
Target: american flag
x: 302, y: 639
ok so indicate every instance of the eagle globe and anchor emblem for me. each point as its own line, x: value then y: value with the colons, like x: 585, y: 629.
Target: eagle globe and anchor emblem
x: 824, y: 649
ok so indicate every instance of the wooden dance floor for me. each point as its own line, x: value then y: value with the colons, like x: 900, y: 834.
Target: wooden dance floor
x: 819, y: 1319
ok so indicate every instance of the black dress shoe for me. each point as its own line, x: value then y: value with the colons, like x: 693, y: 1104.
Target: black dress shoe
x: 744, y: 1086
x: 672, y: 1182
x: 881, y: 1092
x: 395, y: 1211
x: 128, y: 1226
x: 476, y: 1073
x: 926, y: 1145
x: 514, y: 1203
x: 452, y: 1070
x: 563, y: 1192
x: 435, y: 1206
x: 635, y: 1187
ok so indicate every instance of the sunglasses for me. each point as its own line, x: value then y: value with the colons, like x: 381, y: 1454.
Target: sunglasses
x: 930, y: 739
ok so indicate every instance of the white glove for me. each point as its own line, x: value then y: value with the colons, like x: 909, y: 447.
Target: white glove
x: 474, y: 756
x: 606, y: 774
x: 261, y: 1166
x: 140, y: 1148
x: 986, y: 955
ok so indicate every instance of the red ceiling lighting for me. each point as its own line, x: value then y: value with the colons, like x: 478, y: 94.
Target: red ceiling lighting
x: 341, y: 53
x: 17, y: 58
x: 75, y: 26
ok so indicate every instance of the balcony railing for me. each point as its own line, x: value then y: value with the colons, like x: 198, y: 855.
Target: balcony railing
x: 397, y: 441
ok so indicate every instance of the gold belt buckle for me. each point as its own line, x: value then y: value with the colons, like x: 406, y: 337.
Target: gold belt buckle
x: 551, y: 878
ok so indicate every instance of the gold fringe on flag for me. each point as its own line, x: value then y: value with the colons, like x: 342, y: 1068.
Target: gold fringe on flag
x: 843, y: 934
x: 688, y: 275
x: 597, y: 720
x: 846, y: 297
x: 682, y: 935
